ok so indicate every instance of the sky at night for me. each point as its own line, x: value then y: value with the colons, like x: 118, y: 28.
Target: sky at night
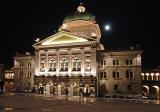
x: 131, y: 24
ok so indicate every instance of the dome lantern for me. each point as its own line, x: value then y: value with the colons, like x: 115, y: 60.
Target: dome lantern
x: 81, y: 8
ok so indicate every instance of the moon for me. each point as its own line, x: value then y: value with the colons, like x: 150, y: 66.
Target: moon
x: 107, y: 27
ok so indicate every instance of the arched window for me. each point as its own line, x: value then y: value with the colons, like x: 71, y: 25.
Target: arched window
x: 128, y: 61
x: 64, y: 64
x: 104, y: 62
x: 129, y: 74
x: 115, y: 74
x: 103, y: 75
x: 76, y: 62
x: 42, y: 65
x: 115, y: 62
x: 52, y: 64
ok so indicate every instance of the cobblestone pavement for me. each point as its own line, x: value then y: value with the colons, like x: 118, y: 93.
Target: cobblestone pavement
x: 49, y: 103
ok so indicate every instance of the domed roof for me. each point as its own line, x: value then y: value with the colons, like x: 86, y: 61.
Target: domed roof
x: 80, y: 14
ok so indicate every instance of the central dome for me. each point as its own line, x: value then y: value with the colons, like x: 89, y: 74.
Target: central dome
x: 80, y: 14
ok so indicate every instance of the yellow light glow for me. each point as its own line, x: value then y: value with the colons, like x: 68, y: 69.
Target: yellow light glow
x: 157, y: 74
x: 63, y: 39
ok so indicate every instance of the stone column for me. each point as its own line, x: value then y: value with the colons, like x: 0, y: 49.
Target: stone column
x: 46, y: 61
x: 39, y: 61
x: 59, y: 89
x: 94, y: 66
x: 82, y: 61
x: 69, y: 63
x: 93, y: 61
x: 57, y: 62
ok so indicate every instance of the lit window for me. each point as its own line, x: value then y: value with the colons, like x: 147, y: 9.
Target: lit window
x: 52, y: 64
x: 76, y: 64
x: 64, y: 64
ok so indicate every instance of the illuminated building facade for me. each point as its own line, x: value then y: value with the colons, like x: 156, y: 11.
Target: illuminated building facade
x: 151, y: 83
x: 74, y: 62
x: 9, y: 80
x: 24, y: 71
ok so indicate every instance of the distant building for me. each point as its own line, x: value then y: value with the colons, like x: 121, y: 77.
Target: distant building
x: 9, y: 80
x: 24, y: 70
x: 119, y: 71
x: 151, y: 82
x: 73, y: 62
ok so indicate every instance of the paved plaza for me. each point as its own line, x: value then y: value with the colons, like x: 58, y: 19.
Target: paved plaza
x: 49, y: 103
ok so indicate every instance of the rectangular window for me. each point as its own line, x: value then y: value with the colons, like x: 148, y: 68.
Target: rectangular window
x: 114, y: 74
x: 127, y: 62
x: 101, y: 62
x: 117, y: 62
x: 117, y: 74
x: 115, y: 87
x: 130, y: 62
x: 114, y: 62
x: 21, y: 74
x: 131, y: 74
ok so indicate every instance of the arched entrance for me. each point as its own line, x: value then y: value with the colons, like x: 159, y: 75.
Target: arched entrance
x: 145, y: 90
x: 75, y: 89
x: 50, y: 88
x: 62, y: 89
x: 155, y: 91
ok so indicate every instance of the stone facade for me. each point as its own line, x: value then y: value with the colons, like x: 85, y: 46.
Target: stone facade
x: 24, y: 70
x: 119, y: 72
x: 9, y: 80
x: 151, y: 83
x: 74, y: 62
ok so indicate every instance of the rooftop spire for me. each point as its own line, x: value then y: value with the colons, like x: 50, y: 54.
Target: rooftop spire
x: 81, y: 8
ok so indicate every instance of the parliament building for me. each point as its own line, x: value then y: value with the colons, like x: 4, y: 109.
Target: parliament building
x: 73, y: 62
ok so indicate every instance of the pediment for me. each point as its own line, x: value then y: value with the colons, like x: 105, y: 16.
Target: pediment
x: 61, y: 38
